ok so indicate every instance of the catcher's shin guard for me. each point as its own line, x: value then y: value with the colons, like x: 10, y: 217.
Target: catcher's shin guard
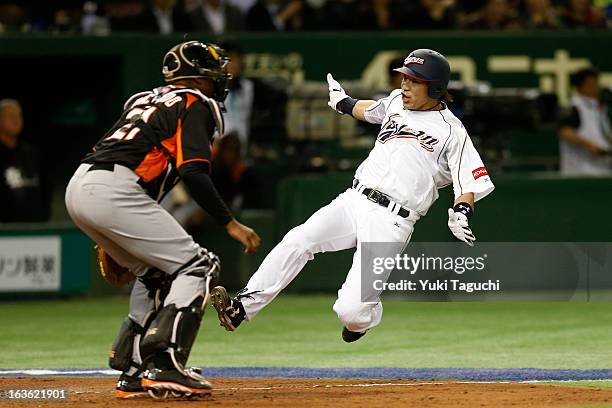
x: 168, y: 341
x: 121, y: 353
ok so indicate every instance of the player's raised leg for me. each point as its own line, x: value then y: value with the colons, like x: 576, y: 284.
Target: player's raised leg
x: 331, y: 228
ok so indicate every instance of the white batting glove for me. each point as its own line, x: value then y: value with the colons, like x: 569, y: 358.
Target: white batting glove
x: 458, y: 224
x: 336, y: 93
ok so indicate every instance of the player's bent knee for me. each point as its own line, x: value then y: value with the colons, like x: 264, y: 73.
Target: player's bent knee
x: 299, y: 241
x: 355, y: 316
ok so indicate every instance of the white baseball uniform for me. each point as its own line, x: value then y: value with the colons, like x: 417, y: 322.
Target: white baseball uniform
x: 415, y: 154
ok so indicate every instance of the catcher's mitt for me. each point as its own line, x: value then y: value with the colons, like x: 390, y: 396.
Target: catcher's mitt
x: 111, y: 271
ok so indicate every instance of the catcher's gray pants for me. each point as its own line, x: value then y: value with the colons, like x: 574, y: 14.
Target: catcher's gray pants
x: 134, y: 230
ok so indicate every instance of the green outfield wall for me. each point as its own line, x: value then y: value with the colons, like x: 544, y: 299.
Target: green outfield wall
x: 525, y: 59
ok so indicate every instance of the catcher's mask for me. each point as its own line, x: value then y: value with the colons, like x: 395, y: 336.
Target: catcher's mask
x: 194, y: 59
x: 430, y: 67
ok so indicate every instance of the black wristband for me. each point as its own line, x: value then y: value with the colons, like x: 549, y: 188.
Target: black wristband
x: 465, y: 209
x: 346, y: 105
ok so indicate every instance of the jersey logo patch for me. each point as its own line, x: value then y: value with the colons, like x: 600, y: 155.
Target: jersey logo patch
x: 479, y: 172
x: 393, y: 130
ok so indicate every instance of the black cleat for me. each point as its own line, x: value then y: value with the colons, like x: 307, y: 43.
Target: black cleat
x: 351, y: 336
x: 230, y: 310
x: 129, y: 386
x: 164, y: 382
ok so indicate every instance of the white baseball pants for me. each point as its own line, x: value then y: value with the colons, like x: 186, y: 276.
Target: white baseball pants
x: 346, y: 222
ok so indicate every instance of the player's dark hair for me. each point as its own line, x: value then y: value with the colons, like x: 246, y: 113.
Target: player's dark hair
x: 448, y: 98
x: 578, y: 77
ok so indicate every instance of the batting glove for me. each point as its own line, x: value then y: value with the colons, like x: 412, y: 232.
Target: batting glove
x: 458, y: 224
x: 336, y: 93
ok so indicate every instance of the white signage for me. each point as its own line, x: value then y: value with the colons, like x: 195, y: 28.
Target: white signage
x: 31, y: 264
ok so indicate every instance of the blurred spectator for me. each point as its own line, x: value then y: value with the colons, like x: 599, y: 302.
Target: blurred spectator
x: 162, y: 16
x: 221, y: 16
x: 231, y: 176
x: 382, y: 13
x: 239, y: 102
x: 540, y: 14
x: 431, y: 15
x: 467, y: 10
x: 243, y: 5
x: 586, y: 138
x: 275, y: 15
x: 606, y: 8
x: 116, y: 10
x: 495, y: 15
x: 582, y: 13
x: 92, y: 22
x: 62, y: 16
x: 13, y: 18
x: 215, y: 16
x: 357, y: 15
x: 23, y: 184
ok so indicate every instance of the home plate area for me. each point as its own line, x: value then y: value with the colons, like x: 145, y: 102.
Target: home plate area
x: 307, y: 387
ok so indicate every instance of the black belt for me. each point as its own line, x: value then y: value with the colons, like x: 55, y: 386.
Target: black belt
x: 102, y: 166
x: 381, y: 199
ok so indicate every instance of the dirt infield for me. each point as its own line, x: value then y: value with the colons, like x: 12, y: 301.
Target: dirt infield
x: 296, y: 393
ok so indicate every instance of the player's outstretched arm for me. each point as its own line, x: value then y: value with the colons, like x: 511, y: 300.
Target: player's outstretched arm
x: 245, y: 235
x: 458, y: 218
x: 342, y: 103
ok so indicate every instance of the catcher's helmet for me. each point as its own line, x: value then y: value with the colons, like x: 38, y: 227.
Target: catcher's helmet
x: 428, y: 66
x: 193, y: 59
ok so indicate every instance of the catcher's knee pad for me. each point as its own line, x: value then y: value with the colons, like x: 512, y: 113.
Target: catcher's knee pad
x: 174, y: 330
x: 121, y: 353
x: 158, y: 284
x: 205, y: 265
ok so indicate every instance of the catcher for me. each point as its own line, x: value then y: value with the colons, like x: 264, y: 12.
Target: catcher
x: 162, y: 136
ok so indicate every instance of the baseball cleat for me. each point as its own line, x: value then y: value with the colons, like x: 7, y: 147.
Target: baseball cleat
x: 129, y: 387
x: 230, y: 310
x: 161, y: 384
x: 351, y: 336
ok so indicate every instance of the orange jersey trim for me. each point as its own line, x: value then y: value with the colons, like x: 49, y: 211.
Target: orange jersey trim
x: 199, y: 160
x: 179, y: 134
x: 155, y: 162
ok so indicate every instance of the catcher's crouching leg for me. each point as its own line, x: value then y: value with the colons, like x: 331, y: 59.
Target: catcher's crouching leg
x: 167, y: 343
x: 120, y: 359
